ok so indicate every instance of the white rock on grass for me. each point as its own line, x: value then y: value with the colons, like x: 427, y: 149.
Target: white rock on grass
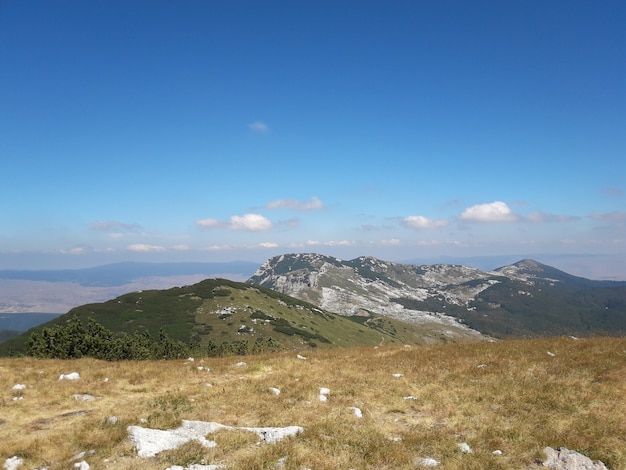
x: 465, y: 448
x: 427, y: 462
x: 196, y: 466
x: 13, y: 463
x: 397, y: 376
x: 302, y: 358
x: 274, y: 390
x: 565, y: 459
x: 324, y: 392
x: 357, y: 411
x: 18, y: 387
x: 70, y: 376
x: 84, y: 397
x: 150, y: 442
x: 82, y: 465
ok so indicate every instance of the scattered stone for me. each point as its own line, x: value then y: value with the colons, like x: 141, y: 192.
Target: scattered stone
x: 113, y: 420
x: 465, y: 448
x: 427, y: 462
x: 398, y: 375
x: 18, y: 387
x: 409, y: 397
x: 70, y: 376
x: 240, y: 364
x: 324, y: 392
x: 150, y: 442
x: 357, y: 411
x: 551, y: 354
x: 12, y: 463
x: 481, y: 366
x: 82, y: 465
x: 196, y: 466
x: 301, y: 357
x: 18, y: 398
x: 565, y: 459
x: 497, y: 452
x: 84, y: 397
x: 274, y: 390
x: 106, y: 379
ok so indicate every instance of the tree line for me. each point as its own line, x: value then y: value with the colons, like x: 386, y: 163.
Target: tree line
x: 76, y: 339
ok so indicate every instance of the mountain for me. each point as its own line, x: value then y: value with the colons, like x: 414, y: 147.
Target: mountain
x: 526, y: 298
x: 223, y: 311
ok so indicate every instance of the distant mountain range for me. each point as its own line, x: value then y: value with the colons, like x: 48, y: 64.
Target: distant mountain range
x: 118, y: 274
x: 526, y: 298
x: 317, y: 300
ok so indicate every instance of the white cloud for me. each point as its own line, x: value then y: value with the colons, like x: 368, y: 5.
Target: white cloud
x: 181, y: 247
x: 268, y: 245
x: 219, y: 247
x: 496, y: 211
x: 77, y: 251
x: 258, y: 126
x: 312, y: 243
x: 312, y: 204
x: 249, y: 222
x: 390, y: 242
x: 208, y: 223
x: 420, y: 222
x: 143, y: 248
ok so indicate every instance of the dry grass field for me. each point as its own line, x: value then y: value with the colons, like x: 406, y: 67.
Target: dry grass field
x: 417, y: 402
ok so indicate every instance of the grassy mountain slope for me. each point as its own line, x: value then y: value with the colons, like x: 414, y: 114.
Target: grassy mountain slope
x: 225, y: 311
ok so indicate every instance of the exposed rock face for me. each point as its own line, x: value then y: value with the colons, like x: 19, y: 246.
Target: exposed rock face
x: 524, y: 299
x: 368, y: 285
x: 565, y: 459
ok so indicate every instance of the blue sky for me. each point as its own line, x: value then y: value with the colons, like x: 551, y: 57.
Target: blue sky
x: 238, y: 130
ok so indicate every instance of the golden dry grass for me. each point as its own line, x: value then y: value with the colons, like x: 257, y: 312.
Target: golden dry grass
x: 511, y: 396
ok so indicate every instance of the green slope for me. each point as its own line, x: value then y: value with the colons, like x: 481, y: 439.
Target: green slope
x: 222, y: 311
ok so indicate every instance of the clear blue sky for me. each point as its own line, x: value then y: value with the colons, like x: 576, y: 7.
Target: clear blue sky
x: 238, y: 130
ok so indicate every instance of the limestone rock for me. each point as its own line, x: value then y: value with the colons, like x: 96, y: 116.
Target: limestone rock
x: 565, y: 459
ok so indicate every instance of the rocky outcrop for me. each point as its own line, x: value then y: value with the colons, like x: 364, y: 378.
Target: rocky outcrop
x: 565, y: 459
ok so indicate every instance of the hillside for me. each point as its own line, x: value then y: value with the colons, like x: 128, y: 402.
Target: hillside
x: 523, y: 299
x: 385, y: 407
x: 222, y: 311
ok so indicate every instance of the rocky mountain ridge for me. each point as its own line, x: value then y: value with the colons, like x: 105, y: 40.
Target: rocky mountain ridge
x: 525, y: 298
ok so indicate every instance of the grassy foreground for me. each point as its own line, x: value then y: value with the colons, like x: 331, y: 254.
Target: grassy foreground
x: 417, y: 402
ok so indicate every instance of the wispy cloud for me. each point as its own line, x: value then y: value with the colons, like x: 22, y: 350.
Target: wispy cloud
x: 259, y: 127
x: 420, y: 222
x: 390, y: 242
x: 246, y: 222
x: 339, y: 243
x: 544, y: 217
x: 610, y: 217
x: 312, y: 204
x: 143, y: 248
x: 208, y: 223
x: 113, y: 225
x: 496, y: 211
